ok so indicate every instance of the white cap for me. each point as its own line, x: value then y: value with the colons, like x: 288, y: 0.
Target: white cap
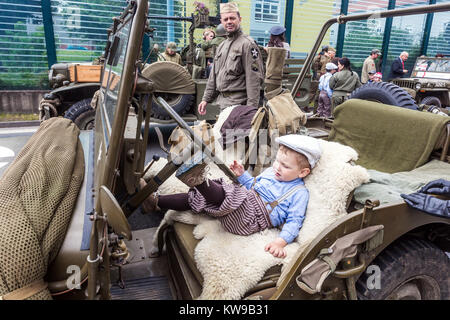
x: 308, y: 146
x: 331, y: 66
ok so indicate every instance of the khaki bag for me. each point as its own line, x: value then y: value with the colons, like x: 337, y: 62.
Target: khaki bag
x: 284, y: 114
x: 180, y: 139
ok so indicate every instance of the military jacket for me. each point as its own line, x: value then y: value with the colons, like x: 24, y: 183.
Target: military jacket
x: 210, y: 46
x: 175, y: 58
x: 344, y: 82
x: 368, y: 65
x: 237, y: 72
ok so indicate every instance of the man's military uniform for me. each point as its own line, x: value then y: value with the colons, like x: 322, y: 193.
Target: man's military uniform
x: 175, y: 58
x: 210, y: 46
x: 319, y: 64
x: 343, y: 83
x: 369, y: 65
x: 237, y: 73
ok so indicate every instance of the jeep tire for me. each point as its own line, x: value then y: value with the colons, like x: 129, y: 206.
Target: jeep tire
x: 82, y: 114
x: 385, y: 92
x: 409, y: 269
x: 431, y: 101
x: 180, y: 103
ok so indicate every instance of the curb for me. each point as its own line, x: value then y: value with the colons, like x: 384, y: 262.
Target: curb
x: 12, y: 124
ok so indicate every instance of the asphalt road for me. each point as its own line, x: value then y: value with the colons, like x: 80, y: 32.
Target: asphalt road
x: 12, y: 140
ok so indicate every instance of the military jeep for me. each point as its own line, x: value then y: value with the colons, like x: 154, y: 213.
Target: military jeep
x: 98, y: 255
x: 429, y: 83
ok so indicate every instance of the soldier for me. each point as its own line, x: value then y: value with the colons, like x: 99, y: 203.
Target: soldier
x: 369, y: 65
x: 237, y: 72
x: 171, y: 53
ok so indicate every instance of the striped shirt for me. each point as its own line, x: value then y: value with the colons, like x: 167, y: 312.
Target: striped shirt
x: 291, y: 211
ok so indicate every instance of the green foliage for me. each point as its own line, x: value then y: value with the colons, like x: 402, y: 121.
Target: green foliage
x: 25, y: 64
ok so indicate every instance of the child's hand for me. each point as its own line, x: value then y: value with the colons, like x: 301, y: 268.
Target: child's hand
x: 276, y: 248
x: 238, y: 169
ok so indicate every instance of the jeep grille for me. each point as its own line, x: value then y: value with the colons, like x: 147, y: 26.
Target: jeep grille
x: 404, y: 84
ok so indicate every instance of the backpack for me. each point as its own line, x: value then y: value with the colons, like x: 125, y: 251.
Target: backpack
x: 284, y: 115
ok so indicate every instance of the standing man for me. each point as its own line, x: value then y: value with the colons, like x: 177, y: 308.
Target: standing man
x: 369, y: 65
x: 398, y: 66
x: 237, y: 72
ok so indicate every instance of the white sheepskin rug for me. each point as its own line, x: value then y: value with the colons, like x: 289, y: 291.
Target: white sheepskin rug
x: 232, y: 264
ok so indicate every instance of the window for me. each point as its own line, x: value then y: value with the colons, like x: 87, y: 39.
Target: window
x: 267, y: 10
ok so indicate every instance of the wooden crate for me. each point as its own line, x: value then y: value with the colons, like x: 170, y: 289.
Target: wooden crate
x: 85, y: 73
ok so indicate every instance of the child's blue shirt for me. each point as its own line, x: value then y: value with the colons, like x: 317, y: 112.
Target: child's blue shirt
x: 291, y: 211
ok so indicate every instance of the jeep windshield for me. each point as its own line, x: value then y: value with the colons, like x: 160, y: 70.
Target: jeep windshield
x: 434, y: 68
x: 113, y: 70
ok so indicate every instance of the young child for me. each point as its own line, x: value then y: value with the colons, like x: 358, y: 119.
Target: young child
x: 325, y: 93
x: 276, y: 197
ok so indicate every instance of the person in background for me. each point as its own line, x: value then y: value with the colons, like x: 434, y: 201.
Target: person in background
x: 277, y: 39
x: 343, y: 83
x: 398, y: 66
x: 210, y: 47
x: 369, y: 65
x: 316, y: 64
x: 378, y: 77
x: 324, y: 107
x: 332, y: 55
x: 371, y: 76
x: 171, y: 54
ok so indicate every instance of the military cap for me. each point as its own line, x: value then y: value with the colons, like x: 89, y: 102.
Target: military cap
x: 376, y: 51
x: 308, y: 146
x: 229, y: 7
x: 277, y: 30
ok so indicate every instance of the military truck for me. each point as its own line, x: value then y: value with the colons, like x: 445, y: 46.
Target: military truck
x: 429, y: 83
x: 98, y: 256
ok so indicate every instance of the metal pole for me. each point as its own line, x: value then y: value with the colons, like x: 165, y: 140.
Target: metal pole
x: 49, y: 32
x: 198, y: 141
x: 386, y: 39
x: 288, y: 20
x: 341, y: 30
x: 427, y: 31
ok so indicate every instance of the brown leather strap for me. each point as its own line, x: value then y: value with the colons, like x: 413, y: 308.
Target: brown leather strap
x: 25, y: 292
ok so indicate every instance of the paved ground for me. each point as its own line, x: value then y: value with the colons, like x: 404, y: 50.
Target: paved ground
x: 11, y: 142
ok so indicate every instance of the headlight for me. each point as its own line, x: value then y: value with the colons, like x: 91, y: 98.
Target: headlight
x: 418, y: 86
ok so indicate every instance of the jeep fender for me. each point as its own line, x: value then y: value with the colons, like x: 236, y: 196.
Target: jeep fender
x: 398, y: 219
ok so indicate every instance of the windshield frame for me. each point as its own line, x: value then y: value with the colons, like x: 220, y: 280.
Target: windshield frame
x: 431, y: 68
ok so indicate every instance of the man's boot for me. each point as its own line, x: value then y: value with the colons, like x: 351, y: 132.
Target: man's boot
x: 274, y: 71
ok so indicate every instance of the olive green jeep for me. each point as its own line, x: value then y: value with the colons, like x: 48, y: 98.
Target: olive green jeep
x: 429, y: 83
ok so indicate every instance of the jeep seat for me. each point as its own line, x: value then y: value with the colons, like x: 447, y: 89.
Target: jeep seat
x: 374, y: 130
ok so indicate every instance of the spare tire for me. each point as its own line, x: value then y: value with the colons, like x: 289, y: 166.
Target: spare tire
x: 386, y: 93
x: 180, y: 103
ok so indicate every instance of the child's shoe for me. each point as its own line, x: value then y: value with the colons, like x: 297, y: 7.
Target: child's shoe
x: 193, y: 172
